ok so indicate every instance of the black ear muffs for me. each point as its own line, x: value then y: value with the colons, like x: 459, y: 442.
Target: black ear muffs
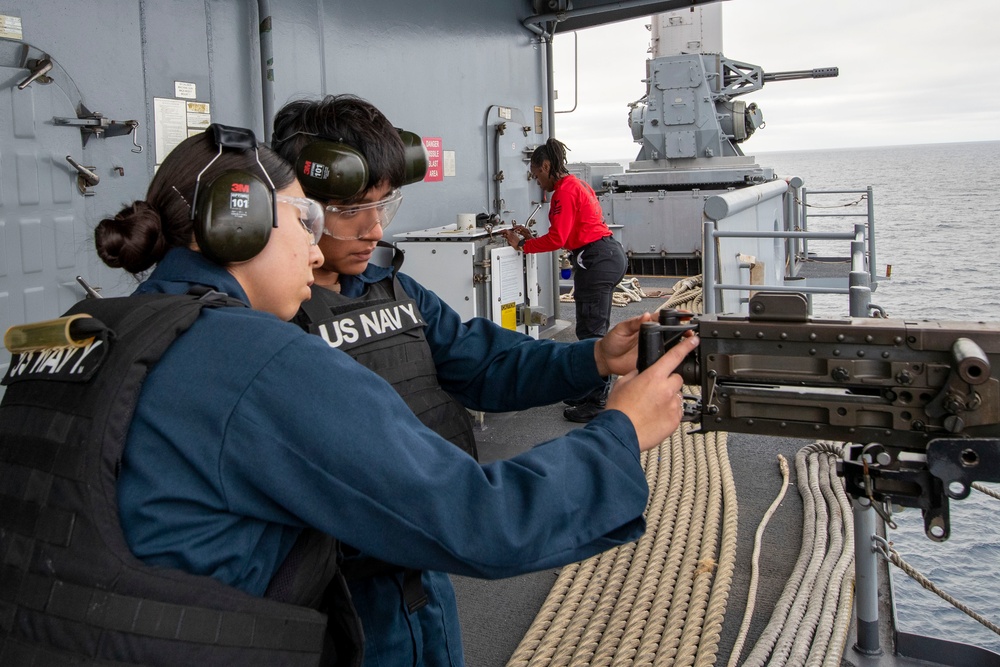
x: 233, y: 217
x: 331, y: 170
x: 233, y: 214
x: 417, y: 160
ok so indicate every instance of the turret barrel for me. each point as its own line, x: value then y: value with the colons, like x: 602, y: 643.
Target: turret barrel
x: 816, y: 73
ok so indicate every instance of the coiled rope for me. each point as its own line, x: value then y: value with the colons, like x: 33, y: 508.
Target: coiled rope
x: 820, y: 589
x: 660, y: 600
x: 687, y: 295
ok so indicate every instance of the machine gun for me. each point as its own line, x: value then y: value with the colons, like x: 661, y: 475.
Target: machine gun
x: 917, y: 400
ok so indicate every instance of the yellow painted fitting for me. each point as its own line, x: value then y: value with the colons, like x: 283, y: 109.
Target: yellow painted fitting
x: 41, y: 335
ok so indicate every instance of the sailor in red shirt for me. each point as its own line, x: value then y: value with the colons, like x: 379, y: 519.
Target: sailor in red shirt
x: 576, y: 223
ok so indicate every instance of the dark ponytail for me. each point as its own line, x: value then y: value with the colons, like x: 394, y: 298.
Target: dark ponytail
x: 554, y: 151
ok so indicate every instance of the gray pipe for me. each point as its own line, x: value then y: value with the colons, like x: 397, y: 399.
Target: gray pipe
x: 866, y: 578
x: 576, y: 74
x: 551, y: 102
x: 266, y: 66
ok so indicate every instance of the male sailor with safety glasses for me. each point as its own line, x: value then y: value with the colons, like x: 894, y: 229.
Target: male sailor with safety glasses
x: 349, y: 157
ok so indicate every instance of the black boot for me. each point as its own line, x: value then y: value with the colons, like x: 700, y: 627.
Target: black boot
x: 598, y: 397
x: 582, y: 414
x: 582, y: 410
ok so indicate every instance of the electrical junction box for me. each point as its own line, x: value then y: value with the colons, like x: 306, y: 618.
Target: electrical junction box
x: 476, y: 273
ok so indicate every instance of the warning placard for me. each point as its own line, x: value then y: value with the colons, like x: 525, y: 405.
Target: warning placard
x: 434, y: 170
x: 508, y: 316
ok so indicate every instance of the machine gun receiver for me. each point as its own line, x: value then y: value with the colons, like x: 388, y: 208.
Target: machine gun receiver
x: 922, y: 392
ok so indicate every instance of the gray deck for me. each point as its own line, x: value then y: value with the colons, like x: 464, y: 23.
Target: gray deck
x: 826, y: 268
x: 496, y: 614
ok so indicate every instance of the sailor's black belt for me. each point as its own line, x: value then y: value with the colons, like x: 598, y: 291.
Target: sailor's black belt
x: 587, y: 245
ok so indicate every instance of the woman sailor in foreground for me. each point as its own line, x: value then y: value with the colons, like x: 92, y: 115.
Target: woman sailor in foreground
x: 253, y: 446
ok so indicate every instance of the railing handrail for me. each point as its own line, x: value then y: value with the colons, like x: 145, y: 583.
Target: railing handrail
x: 869, y: 214
x: 722, y: 206
x: 730, y: 203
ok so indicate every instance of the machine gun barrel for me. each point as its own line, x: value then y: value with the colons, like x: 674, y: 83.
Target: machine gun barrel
x: 816, y: 73
x: 918, y: 397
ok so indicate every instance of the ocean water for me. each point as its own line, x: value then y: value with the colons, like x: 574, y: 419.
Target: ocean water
x: 936, y: 217
x: 937, y: 214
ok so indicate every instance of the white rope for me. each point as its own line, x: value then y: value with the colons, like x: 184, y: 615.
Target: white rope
x: 755, y: 565
x: 985, y: 489
x: 850, y: 203
x: 625, y: 292
x: 805, y: 625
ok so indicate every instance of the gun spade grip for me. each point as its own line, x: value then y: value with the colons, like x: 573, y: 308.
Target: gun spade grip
x: 650, y: 345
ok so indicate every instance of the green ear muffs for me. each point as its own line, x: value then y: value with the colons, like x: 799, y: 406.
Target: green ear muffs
x: 233, y: 217
x: 417, y: 160
x: 331, y: 170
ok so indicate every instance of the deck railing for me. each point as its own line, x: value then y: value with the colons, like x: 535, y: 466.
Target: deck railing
x: 722, y: 218
x: 804, y: 214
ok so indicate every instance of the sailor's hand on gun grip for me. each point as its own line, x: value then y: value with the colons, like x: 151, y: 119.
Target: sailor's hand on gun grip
x: 617, y: 351
x: 652, y: 399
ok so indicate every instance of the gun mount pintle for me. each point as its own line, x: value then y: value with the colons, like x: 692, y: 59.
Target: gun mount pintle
x: 918, y: 398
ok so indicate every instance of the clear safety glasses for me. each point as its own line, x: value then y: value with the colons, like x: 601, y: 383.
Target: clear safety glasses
x: 355, y: 221
x: 310, y: 214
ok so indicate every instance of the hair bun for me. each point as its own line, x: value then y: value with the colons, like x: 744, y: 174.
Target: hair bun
x: 133, y: 240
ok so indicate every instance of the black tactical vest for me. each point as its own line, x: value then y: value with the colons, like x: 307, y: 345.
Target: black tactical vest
x: 384, y: 331
x: 71, y: 592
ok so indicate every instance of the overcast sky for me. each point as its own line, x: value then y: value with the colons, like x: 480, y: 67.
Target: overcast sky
x: 911, y: 72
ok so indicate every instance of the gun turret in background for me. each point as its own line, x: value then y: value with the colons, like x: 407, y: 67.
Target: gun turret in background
x: 690, y: 124
x: 689, y: 110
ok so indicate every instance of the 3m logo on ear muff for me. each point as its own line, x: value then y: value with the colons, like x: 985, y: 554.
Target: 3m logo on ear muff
x: 233, y: 214
x: 315, y: 170
x: 239, y: 199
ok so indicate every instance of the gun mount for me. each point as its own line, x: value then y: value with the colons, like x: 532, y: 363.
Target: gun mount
x: 918, y: 400
x: 690, y: 126
x: 689, y: 112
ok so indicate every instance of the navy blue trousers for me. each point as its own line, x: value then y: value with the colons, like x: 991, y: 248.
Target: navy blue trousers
x: 598, y: 267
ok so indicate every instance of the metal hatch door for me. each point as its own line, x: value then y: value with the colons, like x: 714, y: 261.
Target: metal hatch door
x: 508, y: 151
x: 42, y: 213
